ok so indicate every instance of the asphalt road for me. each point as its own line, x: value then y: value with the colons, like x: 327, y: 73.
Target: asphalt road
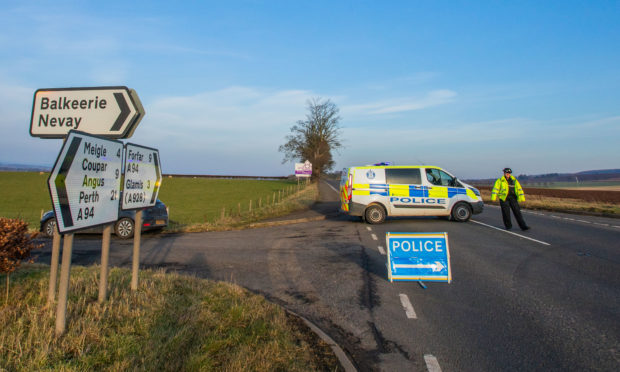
x: 546, y: 299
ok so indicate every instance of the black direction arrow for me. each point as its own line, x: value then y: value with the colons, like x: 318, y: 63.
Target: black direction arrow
x: 61, y: 187
x: 122, y: 103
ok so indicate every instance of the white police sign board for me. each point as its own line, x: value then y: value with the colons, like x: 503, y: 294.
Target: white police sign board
x: 142, y: 177
x: 85, y: 182
x: 418, y: 256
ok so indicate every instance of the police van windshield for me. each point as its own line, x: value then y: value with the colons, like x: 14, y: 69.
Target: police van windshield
x: 439, y: 178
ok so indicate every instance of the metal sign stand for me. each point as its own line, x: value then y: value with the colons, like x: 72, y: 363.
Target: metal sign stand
x: 65, y: 270
x: 135, y: 267
x: 51, y: 294
x: 105, y: 255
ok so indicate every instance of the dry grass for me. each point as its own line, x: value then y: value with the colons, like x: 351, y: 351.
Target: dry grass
x: 563, y: 204
x: 172, y: 323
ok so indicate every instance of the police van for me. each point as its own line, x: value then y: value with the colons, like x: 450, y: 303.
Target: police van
x: 377, y: 191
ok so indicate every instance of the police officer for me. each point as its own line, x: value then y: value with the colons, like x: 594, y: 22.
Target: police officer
x: 510, y: 194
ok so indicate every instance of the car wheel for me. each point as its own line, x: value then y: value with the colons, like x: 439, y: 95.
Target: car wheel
x: 124, y: 228
x: 49, y: 227
x: 375, y: 214
x: 461, y: 212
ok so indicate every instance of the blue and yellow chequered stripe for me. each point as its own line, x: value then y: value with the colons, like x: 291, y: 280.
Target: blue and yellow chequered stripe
x: 410, y: 191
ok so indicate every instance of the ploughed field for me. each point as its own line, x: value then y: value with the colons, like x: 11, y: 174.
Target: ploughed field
x: 604, y: 196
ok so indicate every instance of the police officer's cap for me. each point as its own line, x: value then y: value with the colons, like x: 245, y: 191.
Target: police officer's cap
x: 507, y: 170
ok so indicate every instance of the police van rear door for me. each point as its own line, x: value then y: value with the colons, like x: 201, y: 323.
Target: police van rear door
x: 405, y: 191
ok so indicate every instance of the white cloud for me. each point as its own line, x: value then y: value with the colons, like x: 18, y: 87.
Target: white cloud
x: 236, y: 130
x: 433, y: 98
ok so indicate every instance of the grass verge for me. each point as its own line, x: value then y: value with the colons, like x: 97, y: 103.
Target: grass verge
x: 297, y: 200
x: 172, y: 323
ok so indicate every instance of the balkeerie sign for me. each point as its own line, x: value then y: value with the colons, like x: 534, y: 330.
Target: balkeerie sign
x: 111, y: 112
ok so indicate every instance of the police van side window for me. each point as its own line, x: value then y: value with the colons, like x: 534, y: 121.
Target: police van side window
x: 433, y: 176
x: 403, y: 176
x: 439, y: 178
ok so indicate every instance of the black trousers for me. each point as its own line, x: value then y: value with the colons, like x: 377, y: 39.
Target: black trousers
x: 512, y: 203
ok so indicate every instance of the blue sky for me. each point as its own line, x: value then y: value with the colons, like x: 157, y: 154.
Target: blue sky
x: 469, y: 86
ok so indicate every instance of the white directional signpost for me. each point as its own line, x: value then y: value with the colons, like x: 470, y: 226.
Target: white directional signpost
x: 141, y: 187
x: 85, y: 182
x: 418, y: 256
x: 111, y: 112
x: 142, y: 177
x: 84, y: 187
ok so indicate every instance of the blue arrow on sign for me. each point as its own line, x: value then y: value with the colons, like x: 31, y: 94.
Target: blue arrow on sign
x: 418, y: 256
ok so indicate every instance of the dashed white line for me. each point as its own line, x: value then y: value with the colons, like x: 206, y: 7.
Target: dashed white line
x: 510, y: 232
x: 381, y: 250
x: 431, y: 363
x: 601, y: 224
x: 407, y: 306
x: 374, y: 237
x: 368, y: 228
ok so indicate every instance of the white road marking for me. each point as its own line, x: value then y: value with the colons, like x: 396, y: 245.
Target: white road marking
x: 407, y: 306
x: 368, y: 228
x: 510, y: 232
x: 601, y: 224
x: 431, y: 363
x: 333, y: 188
x: 381, y: 250
x: 563, y: 218
x: 374, y: 237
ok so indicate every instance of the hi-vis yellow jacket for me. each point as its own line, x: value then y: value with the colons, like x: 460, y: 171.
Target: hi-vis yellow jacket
x: 501, y: 188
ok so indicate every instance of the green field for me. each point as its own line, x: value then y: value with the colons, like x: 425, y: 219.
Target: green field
x: 190, y: 200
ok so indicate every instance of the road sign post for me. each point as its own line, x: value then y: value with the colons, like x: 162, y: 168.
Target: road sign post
x: 140, y: 190
x: 418, y: 256
x: 105, y: 256
x: 112, y: 112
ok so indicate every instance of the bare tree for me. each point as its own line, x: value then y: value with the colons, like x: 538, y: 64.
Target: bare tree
x: 315, y: 138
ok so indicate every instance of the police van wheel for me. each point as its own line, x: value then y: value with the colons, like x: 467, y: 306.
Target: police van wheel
x: 461, y: 212
x: 375, y: 214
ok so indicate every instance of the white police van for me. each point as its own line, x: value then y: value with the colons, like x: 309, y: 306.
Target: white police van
x: 377, y: 191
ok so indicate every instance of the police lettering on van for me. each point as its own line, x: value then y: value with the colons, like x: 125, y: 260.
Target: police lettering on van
x: 377, y: 191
